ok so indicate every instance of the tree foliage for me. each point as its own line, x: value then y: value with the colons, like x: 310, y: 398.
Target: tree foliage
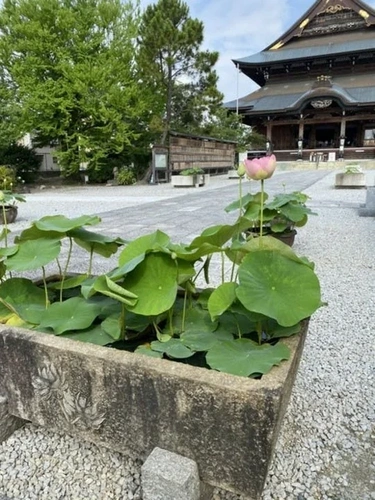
x: 23, y: 161
x: 72, y: 63
x: 180, y: 74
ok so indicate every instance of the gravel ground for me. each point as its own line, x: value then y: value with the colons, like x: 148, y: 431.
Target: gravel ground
x: 326, y: 446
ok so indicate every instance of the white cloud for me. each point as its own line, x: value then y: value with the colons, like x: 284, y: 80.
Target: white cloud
x: 241, y: 28
x: 237, y: 31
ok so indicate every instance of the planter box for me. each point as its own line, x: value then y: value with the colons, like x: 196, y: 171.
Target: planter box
x: 133, y: 403
x: 188, y: 180
x: 11, y: 212
x: 357, y: 180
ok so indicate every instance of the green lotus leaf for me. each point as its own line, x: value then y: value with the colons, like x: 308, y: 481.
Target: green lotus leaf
x: 185, y: 270
x: 33, y: 233
x: 173, y: 348
x: 215, y: 236
x: 147, y: 351
x: 244, y: 357
x: 196, y: 320
x: 154, y: 281
x: 278, y: 287
x: 22, y: 296
x: 62, y: 224
x: 72, y: 314
x: 108, y: 287
x: 8, y: 251
x: 137, y: 249
x: 203, y: 340
x: 68, y: 283
x: 96, y: 242
x: 33, y: 254
x: 93, y: 335
x: 112, y: 326
x: 221, y: 299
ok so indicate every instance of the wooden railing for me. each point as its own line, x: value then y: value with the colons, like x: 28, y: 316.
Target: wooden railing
x: 326, y: 154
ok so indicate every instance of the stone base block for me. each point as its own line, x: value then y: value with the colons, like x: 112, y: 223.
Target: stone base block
x: 344, y: 180
x: 8, y: 423
x: 168, y: 476
x: 368, y: 210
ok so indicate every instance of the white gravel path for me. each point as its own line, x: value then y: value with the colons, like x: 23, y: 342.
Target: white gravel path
x: 326, y: 446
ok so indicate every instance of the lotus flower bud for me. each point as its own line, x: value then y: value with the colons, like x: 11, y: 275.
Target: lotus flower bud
x: 241, y: 171
x: 260, y: 168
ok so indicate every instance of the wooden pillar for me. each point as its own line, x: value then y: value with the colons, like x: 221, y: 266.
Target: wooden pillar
x: 269, y: 138
x: 343, y: 127
x: 269, y: 131
x: 301, y: 129
x: 342, y: 137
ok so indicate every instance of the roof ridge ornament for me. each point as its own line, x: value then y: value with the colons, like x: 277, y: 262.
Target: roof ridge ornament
x: 322, y: 81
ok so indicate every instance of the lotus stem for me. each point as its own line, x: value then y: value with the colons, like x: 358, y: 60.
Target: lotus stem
x: 259, y: 332
x: 45, y: 286
x: 240, y: 190
x: 170, y: 314
x: 90, y: 261
x: 5, y: 226
x: 222, y: 266
x: 66, y: 267
x: 261, y: 207
x: 122, y: 319
x: 184, y: 312
x: 59, y: 268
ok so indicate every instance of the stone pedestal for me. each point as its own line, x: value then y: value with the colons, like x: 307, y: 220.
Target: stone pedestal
x: 168, y: 476
x: 350, y: 181
x: 368, y: 210
x: 8, y: 423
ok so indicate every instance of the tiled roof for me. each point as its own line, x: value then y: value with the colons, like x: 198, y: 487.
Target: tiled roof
x: 283, y: 96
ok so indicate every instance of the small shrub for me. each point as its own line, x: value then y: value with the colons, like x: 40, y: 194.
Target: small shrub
x: 7, y: 178
x: 192, y: 171
x: 353, y: 169
x: 126, y: 177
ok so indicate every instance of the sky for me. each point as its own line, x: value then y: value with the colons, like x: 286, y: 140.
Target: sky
x: 243, y: 27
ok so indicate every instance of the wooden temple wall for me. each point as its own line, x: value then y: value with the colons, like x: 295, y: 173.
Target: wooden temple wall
x: 284, y: 137
x: 209, y: 154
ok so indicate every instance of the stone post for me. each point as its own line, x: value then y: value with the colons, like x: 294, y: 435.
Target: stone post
x: 169, y: 476
x: 8, y: 423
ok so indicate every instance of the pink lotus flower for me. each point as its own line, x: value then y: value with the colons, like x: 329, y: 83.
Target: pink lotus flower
x: 260, y: 168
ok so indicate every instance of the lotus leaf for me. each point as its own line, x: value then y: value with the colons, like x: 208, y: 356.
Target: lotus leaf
x: 244, y: 357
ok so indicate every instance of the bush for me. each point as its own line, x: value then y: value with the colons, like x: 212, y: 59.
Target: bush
x: 7, y: 178
x: 192, y: 171
x: 24, y: 161
x: 126, y: 177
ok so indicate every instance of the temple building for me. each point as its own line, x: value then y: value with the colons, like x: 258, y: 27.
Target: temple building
x: 317, y: 85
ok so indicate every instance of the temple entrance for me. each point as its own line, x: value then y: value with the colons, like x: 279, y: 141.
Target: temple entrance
x: 327, y: 136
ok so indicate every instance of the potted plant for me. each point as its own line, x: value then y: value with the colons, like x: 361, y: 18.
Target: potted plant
x: 9, y: 208
x: 8, y: 199
x: 178, y: 358
x: 189, y: 177
x: 352, y: 177
x: 281, y: 214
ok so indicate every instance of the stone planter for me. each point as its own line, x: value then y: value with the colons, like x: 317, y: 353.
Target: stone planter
x: 188, y: 180
x: 346, y: 180
x: 11, y: 212
x: 133, y: 403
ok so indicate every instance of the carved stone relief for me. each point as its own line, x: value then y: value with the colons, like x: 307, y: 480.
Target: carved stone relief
x: 51, y: 385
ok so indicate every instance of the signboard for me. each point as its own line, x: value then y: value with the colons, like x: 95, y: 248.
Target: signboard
x: 161, y: 160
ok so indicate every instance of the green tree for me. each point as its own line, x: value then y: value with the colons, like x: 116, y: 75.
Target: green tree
x: 229, y: 126
x: 174, y: 67
x: 72, y: 63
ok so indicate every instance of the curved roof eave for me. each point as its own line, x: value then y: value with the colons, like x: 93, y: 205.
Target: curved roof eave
x: 319, y: 6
